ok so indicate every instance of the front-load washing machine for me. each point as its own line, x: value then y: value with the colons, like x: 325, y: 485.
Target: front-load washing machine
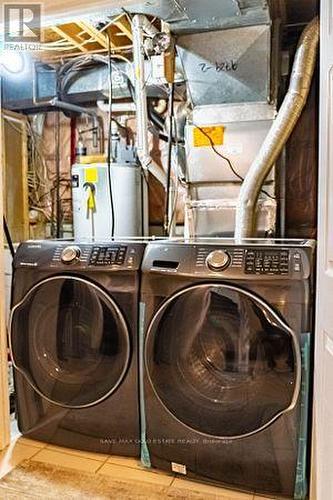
x: 73, y: 340
x: 226, y: 353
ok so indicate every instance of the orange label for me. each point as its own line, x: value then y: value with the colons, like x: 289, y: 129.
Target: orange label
x: 208, y: 136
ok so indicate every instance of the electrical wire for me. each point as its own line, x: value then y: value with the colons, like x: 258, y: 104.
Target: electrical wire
x: 70, y: 69
x: 41, y: 183
x: 176, y: 187
x: 58, y: 167
x: 110, y: 152
x: 8, y: 237
x: 226, y: 159
x: 169, y: 166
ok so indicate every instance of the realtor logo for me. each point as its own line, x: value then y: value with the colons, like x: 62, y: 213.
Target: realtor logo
x: 22, y: 23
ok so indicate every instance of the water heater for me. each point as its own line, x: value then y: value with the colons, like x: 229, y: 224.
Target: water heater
x: 93, y: 187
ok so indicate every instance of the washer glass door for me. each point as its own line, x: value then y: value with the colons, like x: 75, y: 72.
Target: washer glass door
x: 70, y: 340
x: 222, y: 361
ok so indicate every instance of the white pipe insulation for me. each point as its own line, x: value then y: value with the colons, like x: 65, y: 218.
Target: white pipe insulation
x: 289, y: 113
x: 141, y: 25
x: 117, y: 107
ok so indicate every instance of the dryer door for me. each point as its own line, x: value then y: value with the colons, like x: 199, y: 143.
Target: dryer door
x: 221, y: 361
x: 70, y: 340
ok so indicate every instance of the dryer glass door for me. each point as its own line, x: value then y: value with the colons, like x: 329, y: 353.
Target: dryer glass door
x: 70, y: 340
x: 222, y: 361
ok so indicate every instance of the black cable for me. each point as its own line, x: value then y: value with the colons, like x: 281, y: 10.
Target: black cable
x: 158, y: 125
x: 156, y: 118
x: 110, y: 152
x: 125, y: 11
x: 225, y: 158
x: 57, y: 162
x: 8, y: 237
x: 169, y: 166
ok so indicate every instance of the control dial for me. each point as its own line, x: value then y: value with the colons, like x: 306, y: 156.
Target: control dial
x: 70, y: 255
x: 218, y: 260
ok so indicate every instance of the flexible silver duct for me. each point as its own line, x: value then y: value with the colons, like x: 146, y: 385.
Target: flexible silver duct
x: 290, y: 111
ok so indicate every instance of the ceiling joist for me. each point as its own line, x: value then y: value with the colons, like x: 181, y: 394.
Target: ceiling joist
x: 72, y: 39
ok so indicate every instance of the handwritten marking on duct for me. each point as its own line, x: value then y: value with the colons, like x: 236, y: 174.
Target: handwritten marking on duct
x: 219, y: 66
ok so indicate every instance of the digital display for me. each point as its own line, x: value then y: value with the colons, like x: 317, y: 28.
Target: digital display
x: 107, y: 256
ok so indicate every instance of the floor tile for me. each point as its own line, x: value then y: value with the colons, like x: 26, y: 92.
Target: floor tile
x: 100, y: 457
x: 14, y: 455
x: 258, y: 497
x: 30, y: 442
x: 67, y: 460
x: 210, y: 489
x: 119, y: 473
x: 133, y: 463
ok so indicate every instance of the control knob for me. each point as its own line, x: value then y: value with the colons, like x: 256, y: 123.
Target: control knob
x: 70, y: 255
x: 218, y: 260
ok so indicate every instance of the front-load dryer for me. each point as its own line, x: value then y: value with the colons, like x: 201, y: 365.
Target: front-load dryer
x: 73, y: 340
x: 226, y: 351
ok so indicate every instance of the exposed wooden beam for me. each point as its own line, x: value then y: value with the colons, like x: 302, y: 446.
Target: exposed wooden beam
x: 125, y: 26
x: 66, y: 33
x: 94, y: 33
x: 4, y: 388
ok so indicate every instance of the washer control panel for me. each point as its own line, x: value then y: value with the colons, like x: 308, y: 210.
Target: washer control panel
x: 269, y: 262
x: 256, y: 260
x: 107, y: 255
x: 242, y: 260
x: 218, y: 260
x: 70, y: 254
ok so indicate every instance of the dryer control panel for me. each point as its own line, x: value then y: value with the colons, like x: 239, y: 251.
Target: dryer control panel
x: 207, y: 259
x: 267, y: 261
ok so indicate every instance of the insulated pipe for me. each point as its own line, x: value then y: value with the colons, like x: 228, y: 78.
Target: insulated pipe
x: 290, y: 111
x: 117, y: 107
x: 67, y: 106
x: 141, y: 25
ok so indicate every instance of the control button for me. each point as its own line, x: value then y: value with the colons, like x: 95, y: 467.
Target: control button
x: 70, y: 255
x: 269, y: 262
x: 108, y: 256
x: 218, y: 260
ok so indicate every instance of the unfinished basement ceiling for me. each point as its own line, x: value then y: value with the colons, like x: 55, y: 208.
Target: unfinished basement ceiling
x: 86, y: 31
x: 90, y: 34
x: 183, y: 15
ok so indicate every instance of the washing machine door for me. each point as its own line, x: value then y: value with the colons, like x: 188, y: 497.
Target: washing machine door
x: 222, y: 361
x: 70, y: 340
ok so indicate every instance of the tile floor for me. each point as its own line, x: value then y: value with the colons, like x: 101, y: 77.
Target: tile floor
x: 116, y: 467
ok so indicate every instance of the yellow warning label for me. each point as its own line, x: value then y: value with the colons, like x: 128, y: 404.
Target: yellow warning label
x: 91, y: 175
x: 208, y: 136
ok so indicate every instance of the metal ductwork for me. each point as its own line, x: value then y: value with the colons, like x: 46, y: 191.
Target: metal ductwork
x: 290, y: 111
x: 182, y: 15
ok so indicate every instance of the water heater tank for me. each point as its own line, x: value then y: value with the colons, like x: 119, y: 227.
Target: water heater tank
x: 92, y: 214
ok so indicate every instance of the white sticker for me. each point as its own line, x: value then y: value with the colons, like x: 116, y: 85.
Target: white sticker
x: 233, y: 149
x: 178, y: 468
